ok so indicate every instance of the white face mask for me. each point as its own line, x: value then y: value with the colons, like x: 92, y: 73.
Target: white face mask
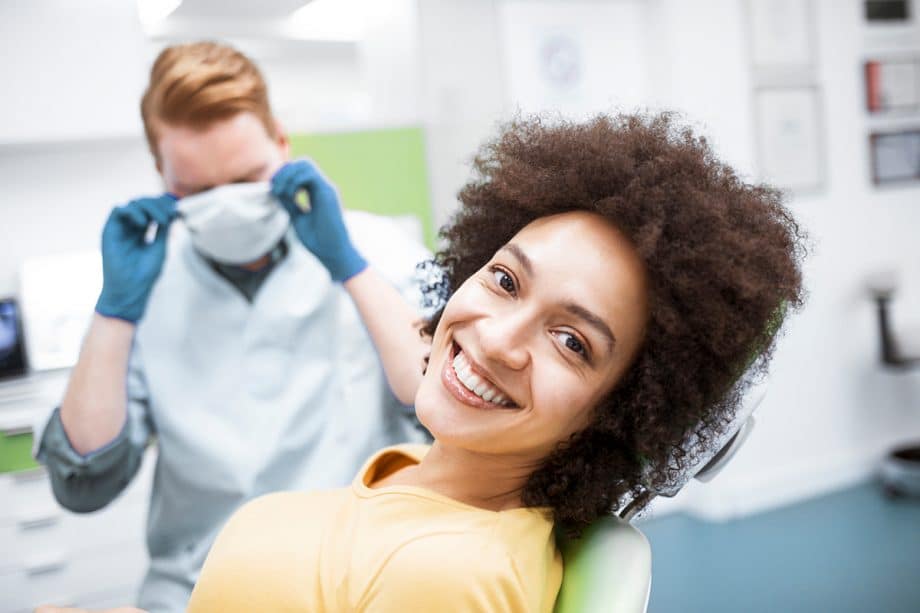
x: 236, y: 223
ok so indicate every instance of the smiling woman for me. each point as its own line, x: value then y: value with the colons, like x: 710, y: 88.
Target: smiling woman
x: 720, y: 262
x: 612, y: 281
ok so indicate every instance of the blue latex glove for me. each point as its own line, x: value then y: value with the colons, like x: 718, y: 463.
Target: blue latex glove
x: 319, y: 225
x: 131, y: 265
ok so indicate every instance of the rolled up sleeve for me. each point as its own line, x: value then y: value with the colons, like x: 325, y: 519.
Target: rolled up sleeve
x: 83, y: 483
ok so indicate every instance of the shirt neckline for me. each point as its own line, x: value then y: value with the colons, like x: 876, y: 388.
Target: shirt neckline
x: 416, y: 453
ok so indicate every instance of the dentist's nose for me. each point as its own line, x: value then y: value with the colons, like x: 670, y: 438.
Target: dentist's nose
x: 505, y: 339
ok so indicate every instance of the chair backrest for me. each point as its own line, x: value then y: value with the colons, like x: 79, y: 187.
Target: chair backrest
x: 711, y: 463
x: 608, y: 569
x: 738, y: 432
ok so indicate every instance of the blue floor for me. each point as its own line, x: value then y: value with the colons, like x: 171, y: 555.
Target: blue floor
x: 851, y: 551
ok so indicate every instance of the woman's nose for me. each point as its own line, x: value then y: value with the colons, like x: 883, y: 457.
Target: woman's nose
x: 504, y: 340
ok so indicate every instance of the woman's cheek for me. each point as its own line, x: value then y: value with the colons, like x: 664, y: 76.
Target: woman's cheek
x: 562, y: 397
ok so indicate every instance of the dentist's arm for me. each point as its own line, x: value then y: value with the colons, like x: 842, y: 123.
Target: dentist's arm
x: 93, y: 411
x: 391, y: 322
x: 53, y: 609
x: 395, y: 329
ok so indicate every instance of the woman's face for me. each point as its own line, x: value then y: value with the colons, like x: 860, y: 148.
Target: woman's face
x: 528, y: 345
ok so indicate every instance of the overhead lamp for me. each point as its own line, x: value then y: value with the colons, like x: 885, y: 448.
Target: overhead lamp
x: 152, y: 12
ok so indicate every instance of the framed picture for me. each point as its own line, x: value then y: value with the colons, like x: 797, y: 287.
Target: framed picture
x: 893, y: 85
x: 781, y: 33
x: 789, y: 137
x: 887, y: 11
x: 895, y: 156
x: 561, y: 61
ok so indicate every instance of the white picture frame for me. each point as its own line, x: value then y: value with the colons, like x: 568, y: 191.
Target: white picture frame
x: 895, y: 156
x: 782, y: 33
x: 893, y: 85
x: 790, y: 139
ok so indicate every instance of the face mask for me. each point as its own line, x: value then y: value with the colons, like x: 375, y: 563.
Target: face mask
x: 236, y: 223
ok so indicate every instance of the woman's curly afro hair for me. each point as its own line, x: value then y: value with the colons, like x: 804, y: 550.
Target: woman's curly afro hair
x: 723, y: 264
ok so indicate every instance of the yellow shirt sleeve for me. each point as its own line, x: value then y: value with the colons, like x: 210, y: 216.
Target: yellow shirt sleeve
x: 448, y: 573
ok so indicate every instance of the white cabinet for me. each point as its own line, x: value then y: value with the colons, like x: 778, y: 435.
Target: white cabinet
x: 70, y: 70
x: 51, y: 555
x: 66, y: 579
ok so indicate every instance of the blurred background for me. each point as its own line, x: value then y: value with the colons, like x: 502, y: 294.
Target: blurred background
x: 392, y: 98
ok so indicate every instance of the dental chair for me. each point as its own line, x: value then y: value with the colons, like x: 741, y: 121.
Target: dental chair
x: 899, y: 472
x: 609, y: 569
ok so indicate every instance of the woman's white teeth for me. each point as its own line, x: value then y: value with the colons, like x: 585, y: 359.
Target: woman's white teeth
x: 475, y: 384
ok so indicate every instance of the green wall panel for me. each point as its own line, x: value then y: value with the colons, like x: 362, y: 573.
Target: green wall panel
x: 380, y: 171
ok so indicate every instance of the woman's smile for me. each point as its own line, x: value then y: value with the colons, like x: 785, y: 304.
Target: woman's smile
x: 468, y: 383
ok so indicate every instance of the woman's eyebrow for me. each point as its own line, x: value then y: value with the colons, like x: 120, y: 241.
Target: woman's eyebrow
x: 521, y: 257
x: 594, y: 321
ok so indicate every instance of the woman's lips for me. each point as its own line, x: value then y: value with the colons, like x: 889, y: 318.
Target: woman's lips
x: 460, y: 391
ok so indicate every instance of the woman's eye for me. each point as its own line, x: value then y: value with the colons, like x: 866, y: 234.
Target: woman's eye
x: 571, y: 342
x: 504, y: 280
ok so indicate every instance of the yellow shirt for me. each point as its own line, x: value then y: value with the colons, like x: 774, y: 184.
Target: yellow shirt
x: 396, y: 548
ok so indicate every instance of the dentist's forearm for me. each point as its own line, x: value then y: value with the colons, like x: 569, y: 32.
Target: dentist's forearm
x: 93, y: 411
x: 394, y: 328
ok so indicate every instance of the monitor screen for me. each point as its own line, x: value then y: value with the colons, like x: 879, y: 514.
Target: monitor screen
x: 12, y: 348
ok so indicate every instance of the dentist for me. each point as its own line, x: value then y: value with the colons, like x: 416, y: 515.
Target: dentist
x: 228, y: 328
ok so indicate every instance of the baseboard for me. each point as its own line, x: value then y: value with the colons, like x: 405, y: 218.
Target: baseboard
x: 775, y: 488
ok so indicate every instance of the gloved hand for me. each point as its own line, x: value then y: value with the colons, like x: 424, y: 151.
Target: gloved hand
x: 131, y: 265
x: 320, y: 227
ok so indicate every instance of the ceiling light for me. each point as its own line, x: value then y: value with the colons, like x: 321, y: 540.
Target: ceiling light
x: 152, y: 12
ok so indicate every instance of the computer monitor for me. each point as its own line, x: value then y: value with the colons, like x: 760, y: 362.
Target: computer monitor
x: 12, y: 347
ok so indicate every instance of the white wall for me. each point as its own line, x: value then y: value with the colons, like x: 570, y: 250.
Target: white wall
x: 462, y: 91
x: 71, y: 140
x: 70, y: 130
x: 831, y: 411
x: 57, y: 197
x: 390, y: 61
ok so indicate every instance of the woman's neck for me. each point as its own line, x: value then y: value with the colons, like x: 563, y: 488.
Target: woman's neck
x: 485, y: 481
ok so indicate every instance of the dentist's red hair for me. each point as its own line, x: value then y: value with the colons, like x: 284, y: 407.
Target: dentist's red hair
x: 196, y: 84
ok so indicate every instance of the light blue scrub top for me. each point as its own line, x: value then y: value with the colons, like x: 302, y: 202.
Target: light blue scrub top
x: 283, y: 393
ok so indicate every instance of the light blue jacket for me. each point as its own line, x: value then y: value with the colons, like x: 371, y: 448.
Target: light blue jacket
x: 242, y: 398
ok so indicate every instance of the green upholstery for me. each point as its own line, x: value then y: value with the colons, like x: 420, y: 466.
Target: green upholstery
x: 607, y: 570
